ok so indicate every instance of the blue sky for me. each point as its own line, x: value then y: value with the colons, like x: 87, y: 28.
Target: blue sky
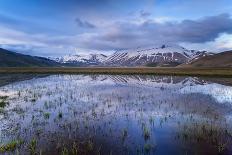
x: 60, y: 27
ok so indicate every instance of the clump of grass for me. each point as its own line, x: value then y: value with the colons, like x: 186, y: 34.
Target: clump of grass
x: 64, y: 151
x: 221, y: 147
x: 146, y: 133
x: 75, y: 149
x: 46, y: 105
x: 89, y: 145
x: 32, y: 146
x: 3, y: 97
x: 147, y: 147
x: 11, y: 146
x: 60, y: 115
x: 33, y: 100
x: 151, y: 120
x: 124, y: 134
x: 46, y: 115
x: 3, y: 101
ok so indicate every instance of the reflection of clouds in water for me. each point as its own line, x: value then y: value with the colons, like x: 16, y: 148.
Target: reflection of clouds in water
x: 219, y: 92
x: 8, y: 93
x: 186, y: 85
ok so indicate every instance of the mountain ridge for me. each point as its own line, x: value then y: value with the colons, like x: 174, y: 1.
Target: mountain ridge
x: 13, y: 59
x: 223, y: 59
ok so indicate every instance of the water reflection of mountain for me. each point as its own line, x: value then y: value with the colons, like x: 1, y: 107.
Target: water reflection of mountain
x: 11, y: 78
x: 139, y: 79
x: 149, y: 79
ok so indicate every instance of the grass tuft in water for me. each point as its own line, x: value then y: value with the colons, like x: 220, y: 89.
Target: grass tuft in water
x: 147, y: 147
x: 60, y: 115
x: 46, y: 115
x: 3, y: 101
x: 11, y: 146
x: 146, y: 133
x: 32, y: 146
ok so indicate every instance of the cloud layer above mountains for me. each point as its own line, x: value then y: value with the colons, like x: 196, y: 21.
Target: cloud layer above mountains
x: 59, y: 28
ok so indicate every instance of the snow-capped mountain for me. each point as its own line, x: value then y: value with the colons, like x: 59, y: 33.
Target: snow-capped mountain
x: 87, y: 59
x: 162, y: 55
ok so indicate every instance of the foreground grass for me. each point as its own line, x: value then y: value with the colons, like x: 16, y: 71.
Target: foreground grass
x: 214, y: 72
x: 10, y: 146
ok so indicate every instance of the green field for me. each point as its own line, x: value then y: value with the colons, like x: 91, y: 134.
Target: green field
x: 212, y: 72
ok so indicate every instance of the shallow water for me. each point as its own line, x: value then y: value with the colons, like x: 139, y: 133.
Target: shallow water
x: 116, y: 114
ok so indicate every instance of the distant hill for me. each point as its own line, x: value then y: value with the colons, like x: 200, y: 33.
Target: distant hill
x: 13, y: 59
x: 223, y: 59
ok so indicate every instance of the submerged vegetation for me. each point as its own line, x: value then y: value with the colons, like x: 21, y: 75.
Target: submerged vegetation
x: 80, y: 114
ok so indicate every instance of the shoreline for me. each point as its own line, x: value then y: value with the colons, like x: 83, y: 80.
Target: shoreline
x: 179, y: 71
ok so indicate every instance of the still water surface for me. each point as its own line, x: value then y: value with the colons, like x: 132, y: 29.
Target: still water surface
x: 115, y: 114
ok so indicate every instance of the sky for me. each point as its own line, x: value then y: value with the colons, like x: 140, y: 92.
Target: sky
x: 53, y: 28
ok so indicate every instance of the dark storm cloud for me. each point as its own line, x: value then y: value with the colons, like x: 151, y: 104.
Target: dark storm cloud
x: 129, y: 35
x: 84, y: 24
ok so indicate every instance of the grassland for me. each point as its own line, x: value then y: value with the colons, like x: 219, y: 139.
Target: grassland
x: 211, y: 72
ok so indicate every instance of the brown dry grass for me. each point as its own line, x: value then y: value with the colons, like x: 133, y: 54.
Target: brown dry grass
x: 212, y: 72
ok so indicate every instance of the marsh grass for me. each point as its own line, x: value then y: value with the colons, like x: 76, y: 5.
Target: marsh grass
x: 60, y: 115
x: 3, y: 97
x: 3, y: 101
x: 84, y: 117
x: 146, y: 133
x: 32, y: 146
x: 46, y: 115
x: 10, y: 146
x: 214, y: 134
x: 148, y: 147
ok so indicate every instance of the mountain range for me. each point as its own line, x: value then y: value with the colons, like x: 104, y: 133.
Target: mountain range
x: 157, y: 56
x: 164, y: 55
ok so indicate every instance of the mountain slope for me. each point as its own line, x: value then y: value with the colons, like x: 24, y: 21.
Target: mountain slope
x: 223, y: 59
x: 12, y: 59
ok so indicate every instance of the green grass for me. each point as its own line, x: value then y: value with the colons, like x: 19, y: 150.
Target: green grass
x: 180, y: 71
x: 3, y: 101
x: 3, y: 97
x: 146, y: 133
x: 46, y: 115
x: 10, y: 146
x: 32, y: 146
x: 147, y: 147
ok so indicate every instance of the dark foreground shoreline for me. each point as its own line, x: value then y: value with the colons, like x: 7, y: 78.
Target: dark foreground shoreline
x: 211, y: 72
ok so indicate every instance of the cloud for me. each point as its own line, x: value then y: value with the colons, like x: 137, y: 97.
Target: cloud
x: 129, y: 35
x: 116, y: 35
x: 84, y: 24
x: 144, y: 14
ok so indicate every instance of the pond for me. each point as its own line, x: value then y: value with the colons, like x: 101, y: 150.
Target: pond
x: 115, y: 114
